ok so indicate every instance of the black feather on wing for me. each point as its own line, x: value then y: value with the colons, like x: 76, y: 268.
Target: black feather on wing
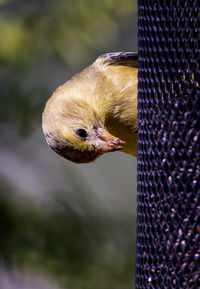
x: 121, y: 58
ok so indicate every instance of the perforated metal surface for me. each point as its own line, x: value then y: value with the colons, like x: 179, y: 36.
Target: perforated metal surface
x: 168, y: 224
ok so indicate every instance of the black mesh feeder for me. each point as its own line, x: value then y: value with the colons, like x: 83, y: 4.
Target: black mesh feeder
x: 168, y: 218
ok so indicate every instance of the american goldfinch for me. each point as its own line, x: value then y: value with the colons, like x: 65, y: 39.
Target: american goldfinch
x: 95, y: 112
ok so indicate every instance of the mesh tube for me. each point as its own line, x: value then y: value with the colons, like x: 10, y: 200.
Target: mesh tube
x: 168, y: 223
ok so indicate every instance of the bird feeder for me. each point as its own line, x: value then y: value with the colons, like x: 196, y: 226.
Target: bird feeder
x: 168, y: 214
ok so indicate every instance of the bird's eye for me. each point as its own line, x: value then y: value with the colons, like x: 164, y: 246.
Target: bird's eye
x: 81, y: 132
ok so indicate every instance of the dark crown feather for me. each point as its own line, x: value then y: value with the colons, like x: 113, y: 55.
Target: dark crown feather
x: 121, y: 58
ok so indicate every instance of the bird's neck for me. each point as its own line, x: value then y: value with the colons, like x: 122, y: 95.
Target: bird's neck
x: 120, y: 119
x: 119, y: 109
x: 126, y: 131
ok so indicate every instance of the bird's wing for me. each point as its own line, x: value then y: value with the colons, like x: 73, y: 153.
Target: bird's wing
x: 120, y: 58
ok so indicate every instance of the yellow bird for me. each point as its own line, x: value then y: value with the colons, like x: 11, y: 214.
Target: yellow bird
x: 95, y: 112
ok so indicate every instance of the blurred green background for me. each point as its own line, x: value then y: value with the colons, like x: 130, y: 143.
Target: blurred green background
x: 62, y: 225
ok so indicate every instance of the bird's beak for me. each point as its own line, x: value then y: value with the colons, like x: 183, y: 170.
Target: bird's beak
x: 106, y: 142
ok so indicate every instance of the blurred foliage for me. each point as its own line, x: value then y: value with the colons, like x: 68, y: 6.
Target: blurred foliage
x: 67, y: 28
x: 82, y: 250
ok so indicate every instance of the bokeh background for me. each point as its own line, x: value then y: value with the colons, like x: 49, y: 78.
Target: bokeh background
x: 62, y: 225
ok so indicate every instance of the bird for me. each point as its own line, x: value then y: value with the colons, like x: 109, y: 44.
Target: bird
x: 95, y: 112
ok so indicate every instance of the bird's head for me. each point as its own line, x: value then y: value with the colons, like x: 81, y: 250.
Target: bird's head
x: 76, y: 131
